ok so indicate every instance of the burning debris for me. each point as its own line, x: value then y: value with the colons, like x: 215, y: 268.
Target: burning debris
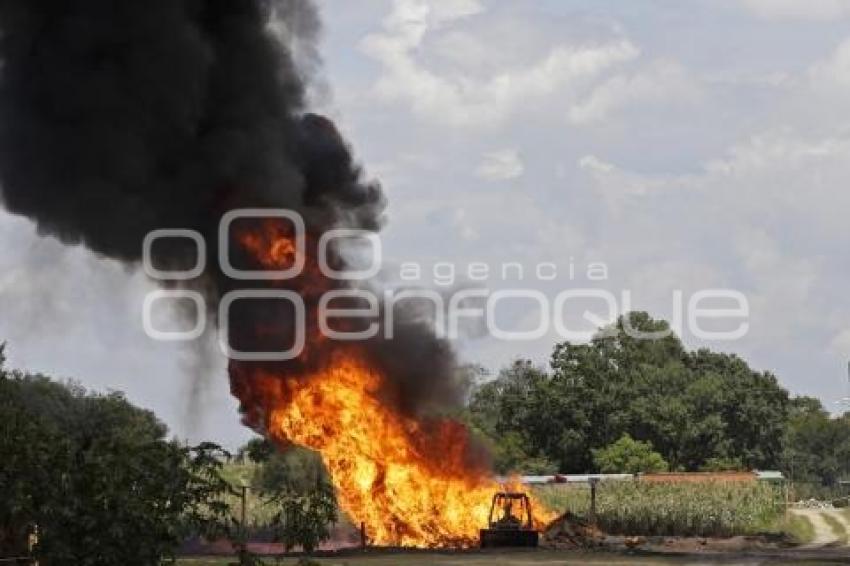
x: 122, y: 117
x: 570, y: 532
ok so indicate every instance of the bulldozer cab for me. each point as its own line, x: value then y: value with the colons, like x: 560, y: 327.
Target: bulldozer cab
x: 510, y: 511
x: 510, y: 522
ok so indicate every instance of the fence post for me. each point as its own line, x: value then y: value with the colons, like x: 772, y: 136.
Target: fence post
x: 244, y: 503
x: 593, y: 482
x: 363, y: 535
x: 787, y: 496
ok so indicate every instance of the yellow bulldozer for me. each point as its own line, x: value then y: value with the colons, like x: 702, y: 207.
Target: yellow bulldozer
x: 510, y: 522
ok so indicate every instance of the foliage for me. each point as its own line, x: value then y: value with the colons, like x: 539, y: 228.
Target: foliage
x: 294, y: 468
x: 817, y: 446
x: 700, y: 410
x: 628, y: 456
x: 687, y: 509
x: 509, y: 444
x: 694, y: 407
x: 305, y: 517
x: 295, y: 495
x: 257, y: 450
x: 98, y: 477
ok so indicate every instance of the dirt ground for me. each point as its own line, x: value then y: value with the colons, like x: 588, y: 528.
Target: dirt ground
x: 537, y: 558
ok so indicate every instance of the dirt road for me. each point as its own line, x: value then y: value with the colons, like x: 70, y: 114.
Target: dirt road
x: 831, y: 527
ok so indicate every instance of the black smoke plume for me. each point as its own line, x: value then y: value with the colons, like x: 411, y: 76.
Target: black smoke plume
x: 118, y: 117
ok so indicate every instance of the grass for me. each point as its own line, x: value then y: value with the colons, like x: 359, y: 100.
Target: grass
x: 799, y: 528
x: 695, y: 509
x: 836, y: 526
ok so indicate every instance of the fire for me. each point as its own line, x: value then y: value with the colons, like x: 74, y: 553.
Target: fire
x: 412, y: 481
x: 407, y: 480
x: 273, y: 246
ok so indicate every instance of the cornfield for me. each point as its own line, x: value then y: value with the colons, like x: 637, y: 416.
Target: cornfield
x: 692, y: 509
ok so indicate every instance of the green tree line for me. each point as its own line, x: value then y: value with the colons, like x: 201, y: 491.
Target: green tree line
x: 620, y: 403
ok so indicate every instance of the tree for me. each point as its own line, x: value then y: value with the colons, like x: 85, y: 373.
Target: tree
x: 292, y: 468
x: 33, y: 448
x: 500, y: 412
x: 509, y: 456
x: 694, y: 407
x: 817, y: 446
x: 628, y: 456
x: 258, y: 450
x: 98, y: 477
x: 305, y: 517
x: 295, y: 481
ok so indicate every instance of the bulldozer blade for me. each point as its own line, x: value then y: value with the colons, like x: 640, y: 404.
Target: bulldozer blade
x: 495, y: 538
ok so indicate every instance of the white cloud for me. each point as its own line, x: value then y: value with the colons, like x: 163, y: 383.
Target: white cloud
x: 463, y: 226
x: 743, y: 185
x: 445, y: 11
x: 818, y: 10
x: 833, y: 72
x: 462, y: 99
x: 661, y: 82
x: 781, y: 283
x: 500, y: 165
x: 840, y: 343
x: 778, y: 176
x: 767, y: 218
x: 621, y: 188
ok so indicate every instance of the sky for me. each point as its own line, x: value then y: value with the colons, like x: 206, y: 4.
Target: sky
x: 684, y: 145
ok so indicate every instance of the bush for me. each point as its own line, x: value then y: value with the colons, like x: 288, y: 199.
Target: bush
x: 305, y: 517
x: 628, y: 456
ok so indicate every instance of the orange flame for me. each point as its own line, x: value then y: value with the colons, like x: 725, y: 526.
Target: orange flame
x: 410, y: 480
x: 273, y: 247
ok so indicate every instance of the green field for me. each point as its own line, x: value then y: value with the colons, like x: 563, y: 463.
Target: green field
x: 703, y: 509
